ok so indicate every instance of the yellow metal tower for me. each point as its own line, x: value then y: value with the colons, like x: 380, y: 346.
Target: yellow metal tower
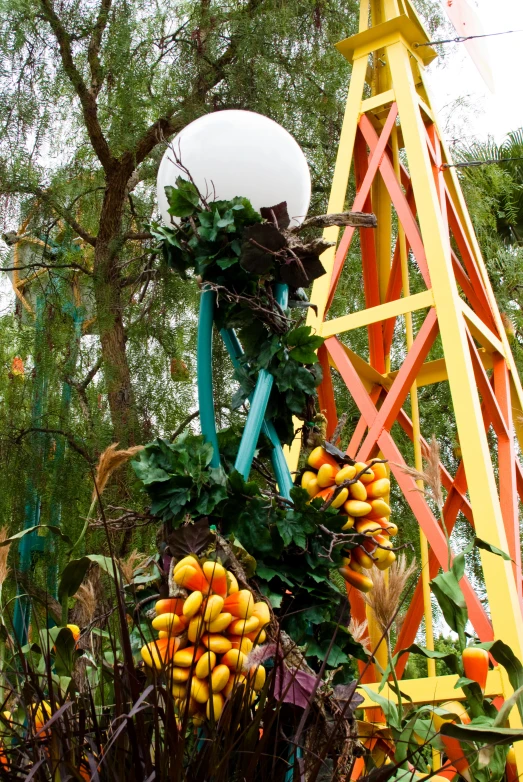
x: 424, y: 242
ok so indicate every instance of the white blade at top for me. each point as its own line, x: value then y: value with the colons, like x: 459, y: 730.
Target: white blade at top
x: 466, y: 22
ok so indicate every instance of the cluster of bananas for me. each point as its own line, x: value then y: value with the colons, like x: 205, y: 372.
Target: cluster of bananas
x: 204, y: 639
x: 365, y: 505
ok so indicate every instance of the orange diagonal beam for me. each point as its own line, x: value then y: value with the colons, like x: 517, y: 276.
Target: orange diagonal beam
x: 400, y: 388
x: 418, y: 504
x: 376, y: 156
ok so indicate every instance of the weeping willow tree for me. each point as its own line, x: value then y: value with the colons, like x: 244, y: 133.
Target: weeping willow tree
x: 91, y: 93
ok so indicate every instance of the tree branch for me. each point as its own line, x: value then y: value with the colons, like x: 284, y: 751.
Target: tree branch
x: 62, y: 211
x: 137, y: 237
x: 80, y: 387
x: 49, y: 266
x: 87, y: 99
x: 75, y: 445
x: 90, y: 375
x: 171, y: 123
x: 93, y: 51
x: 183, y: 425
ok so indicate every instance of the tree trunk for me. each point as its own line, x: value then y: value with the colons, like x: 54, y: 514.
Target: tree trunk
x: 109, y: 311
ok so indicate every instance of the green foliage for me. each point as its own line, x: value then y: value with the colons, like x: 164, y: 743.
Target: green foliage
x: 289, y: 542
x: 176, y: 478
x: 215, y: 240
x: 494, y: 198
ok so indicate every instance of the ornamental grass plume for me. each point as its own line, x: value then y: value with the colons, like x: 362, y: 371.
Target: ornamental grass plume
x: 359, y: 631
x: 134, y: 561
x: 385, y: 601
x: 87, y: 601
x: 4, y: 553
x: 108, y: 462
x: 385, y: 597
x: 432, y: 487
x: 431, y: 475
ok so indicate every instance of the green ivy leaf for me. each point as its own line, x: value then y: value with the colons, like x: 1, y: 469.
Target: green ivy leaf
x: 240, y: 486
x: 294, y: 528
x: 305, y: 355
x: 251, y: 527
x: 336, y: 656
x: 267, y: 573
x: 275, y: 599
x: 303, y: 345
x: 226, y: 263
x: 305, y: 380
x: 183, y: 199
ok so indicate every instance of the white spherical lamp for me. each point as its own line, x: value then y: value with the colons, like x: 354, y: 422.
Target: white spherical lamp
x: 238, y: 153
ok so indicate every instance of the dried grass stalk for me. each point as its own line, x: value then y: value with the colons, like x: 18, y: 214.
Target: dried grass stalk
x: 87, y: 602
x: 431, y: 476
x: 4, y: 553
x: 109, y: 461
x: 134, y: 561
x: 359, y: 631
x: 384, y: 598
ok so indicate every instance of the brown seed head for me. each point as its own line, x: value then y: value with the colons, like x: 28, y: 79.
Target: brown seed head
x: 431, y: 476
x: 385, y: 597
x: 4, y: 553
x: 109, y: 461
x: 134, y: 561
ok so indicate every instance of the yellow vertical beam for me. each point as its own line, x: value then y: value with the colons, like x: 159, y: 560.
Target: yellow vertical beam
x: 499, y: 580
x: 416, y: 429
x: 340, y: 182
x: 338, y: 194
x: 364, y: 15
x: 463, y: 213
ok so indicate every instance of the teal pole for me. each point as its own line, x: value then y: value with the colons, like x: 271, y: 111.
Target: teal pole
x: 30, y: 544
x: 259, y: 401
x: 55, y: 514
x: 279, y: 463
x: 204, y: 372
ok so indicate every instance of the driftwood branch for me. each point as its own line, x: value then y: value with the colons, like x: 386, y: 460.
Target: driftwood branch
x: 354, y: 219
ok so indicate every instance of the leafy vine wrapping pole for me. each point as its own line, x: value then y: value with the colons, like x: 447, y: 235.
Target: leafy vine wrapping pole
x: 287, y: 547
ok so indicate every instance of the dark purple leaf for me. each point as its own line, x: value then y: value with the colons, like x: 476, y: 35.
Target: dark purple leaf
x: 348, y: 698
x: 294, y: 686
x: 261, y: 242
x: 301, y: 273
x: 342, y: 457
x: 278, y: 212
x: 190, y: 539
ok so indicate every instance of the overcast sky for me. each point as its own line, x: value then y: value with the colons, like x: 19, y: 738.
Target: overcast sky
x: 454, y: 77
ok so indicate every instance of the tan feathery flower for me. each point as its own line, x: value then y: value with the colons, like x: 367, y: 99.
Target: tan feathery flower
x: 359, y: 631
x: 4, y: 553
x: 109, y: 461
x: 87, y: 600
x: 134, y: 561
x: 384, y: 598
x: 431, y: 475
